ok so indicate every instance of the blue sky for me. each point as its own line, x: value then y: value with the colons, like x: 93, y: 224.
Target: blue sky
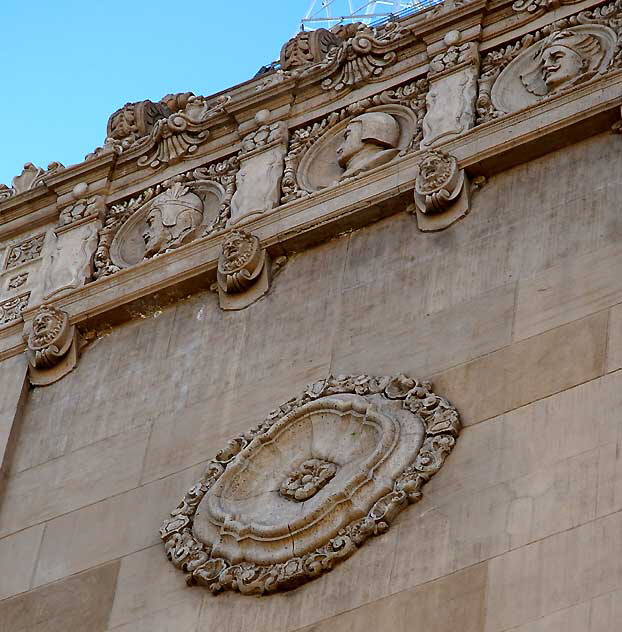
x: 67, y: 65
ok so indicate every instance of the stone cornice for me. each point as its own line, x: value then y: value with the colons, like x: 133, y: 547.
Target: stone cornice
x: 484, y: 150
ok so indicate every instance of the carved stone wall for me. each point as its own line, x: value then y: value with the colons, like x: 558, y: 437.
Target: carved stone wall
x: 473, y: 244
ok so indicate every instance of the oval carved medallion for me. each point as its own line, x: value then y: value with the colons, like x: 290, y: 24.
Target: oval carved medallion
x: 300, y: 492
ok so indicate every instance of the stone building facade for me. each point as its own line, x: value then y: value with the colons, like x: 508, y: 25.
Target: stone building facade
x: 338, y: 349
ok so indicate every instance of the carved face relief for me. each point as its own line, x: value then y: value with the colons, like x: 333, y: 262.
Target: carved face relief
x: 563, y: 59
x: 369, y: 140
x: 51, y: 346
x: 300, y: 492
x: 356, y: 145
x: 237, y: 250
x: 435, y: 171
x: 172, y: 220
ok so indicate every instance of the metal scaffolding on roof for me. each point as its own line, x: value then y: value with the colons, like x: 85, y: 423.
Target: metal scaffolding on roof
x: 329, y: 13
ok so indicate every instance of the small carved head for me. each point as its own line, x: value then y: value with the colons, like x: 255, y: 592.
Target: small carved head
x: 435, y: 171
x: 237, y: 250
x: 565, y: 58
x: 373, y: 130
x: 47, y: 327
x: 172, y: 219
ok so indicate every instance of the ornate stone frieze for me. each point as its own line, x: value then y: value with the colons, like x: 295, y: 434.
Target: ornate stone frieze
x: 450, y: 101
x: 557, y: 58
x: 162, y: 133
x: 536, y: 7
x: 441, y: 191
x: 24, y: 251
x: 258, y: 181
x: 11, y: 309
x: 355, y: 53
x: 366, y: 134
x: 308, y: 47
x: 30, y: 178
x: 51, y: 346
x: 243, y: 273
x: 84, y: 206
x: 302, y: 491
x: 17, y: 281
x: 165, y: 216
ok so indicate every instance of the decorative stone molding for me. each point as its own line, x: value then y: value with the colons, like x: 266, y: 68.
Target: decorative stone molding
x: 537, y: 7
x: 550, y: 61
x: 17, y: 281
x: 364, y: 447
x: 243, y: 274
x: 162, y: 133
x: 319, y: 155
x: 30, y: 178
x: 51, y: 346
x: 258, y: 181
x: 24, y: 251
x: 84, y: 206
x: 165, y: 217
x: 355, y: 54
x: 11, y: 309
x: 450, y: 101
x: 441, y: 192
x: 308, y: 47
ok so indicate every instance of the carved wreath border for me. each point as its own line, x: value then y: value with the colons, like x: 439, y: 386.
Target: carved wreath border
x: 442, y: 426
x: 496, y: 60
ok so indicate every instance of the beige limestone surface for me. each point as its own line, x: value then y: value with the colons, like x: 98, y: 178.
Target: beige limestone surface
x: 513, y: 312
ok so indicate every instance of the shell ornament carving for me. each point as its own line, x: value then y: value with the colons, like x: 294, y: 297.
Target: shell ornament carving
x: 302, y: 491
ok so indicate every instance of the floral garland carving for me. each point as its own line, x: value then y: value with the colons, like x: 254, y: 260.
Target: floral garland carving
x: 495, y: 61
x: 186, y: 552
x: 411, y: 95
x: 222, y: 172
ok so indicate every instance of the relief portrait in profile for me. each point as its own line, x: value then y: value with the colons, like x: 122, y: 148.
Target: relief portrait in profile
x: 172, y: 220
x: 565, y: 58
x: 370, y: 140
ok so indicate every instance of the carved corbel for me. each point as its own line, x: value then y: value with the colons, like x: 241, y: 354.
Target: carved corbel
x: 450, y: 102
x: 244, y: 268
x: 441, y: 192
x: 262, y: 156
x: 51, y: 346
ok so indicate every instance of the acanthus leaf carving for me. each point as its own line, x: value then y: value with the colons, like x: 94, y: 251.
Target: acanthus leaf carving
x: 345, y: 56
x: 30, y: 178
x: 280, y: 552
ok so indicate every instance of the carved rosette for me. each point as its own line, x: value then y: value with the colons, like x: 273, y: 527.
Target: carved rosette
x: 303, y: 490
x: 51, y: 346
x: 243, y: 270
x: 441, y: 191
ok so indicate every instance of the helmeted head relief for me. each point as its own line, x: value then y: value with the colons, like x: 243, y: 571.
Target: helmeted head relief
x: 379, y: 128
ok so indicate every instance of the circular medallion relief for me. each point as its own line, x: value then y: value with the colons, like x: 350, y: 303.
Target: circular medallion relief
x: 357, y: 144
x: 560, y: 61
x: 302, y: 491
x: 171, y: 219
